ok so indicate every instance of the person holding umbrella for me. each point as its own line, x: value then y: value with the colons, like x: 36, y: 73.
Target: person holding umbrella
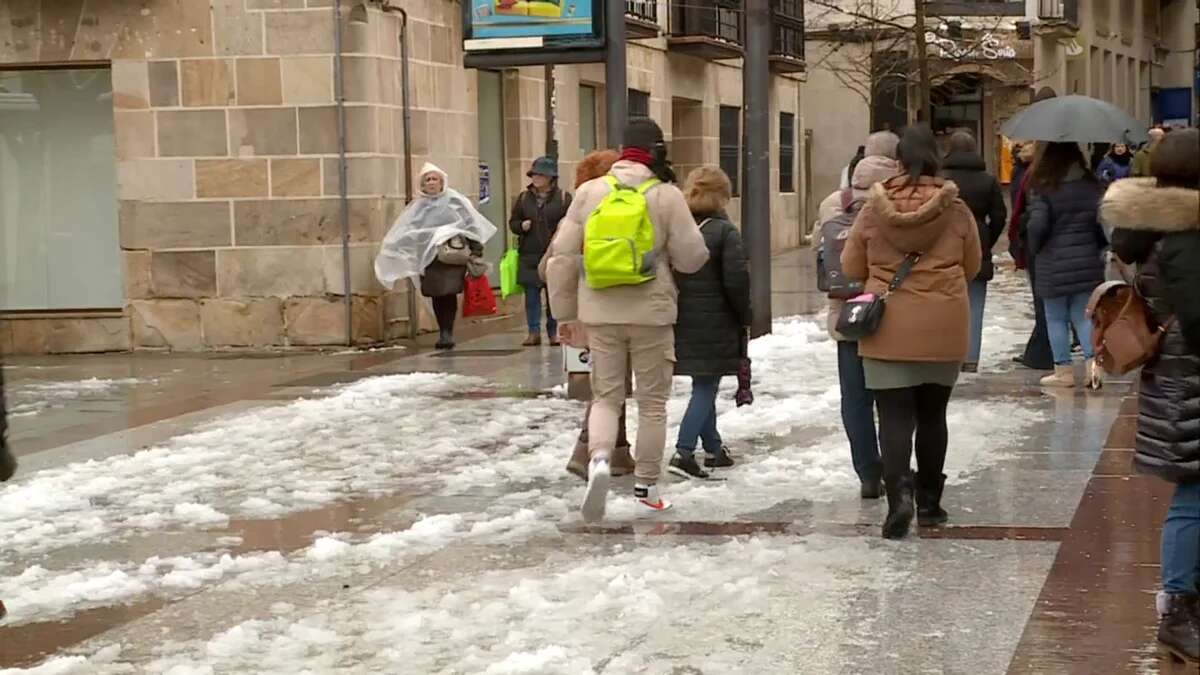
x: 1065, y: 122
x: 1066, y: 239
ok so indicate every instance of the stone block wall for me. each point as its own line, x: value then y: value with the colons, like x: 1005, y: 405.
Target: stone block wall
x: 226, y: 140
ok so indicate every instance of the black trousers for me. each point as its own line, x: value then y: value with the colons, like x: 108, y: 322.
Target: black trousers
x: 1037, y: 350
x: 901, y: 413
x: 445, y: 309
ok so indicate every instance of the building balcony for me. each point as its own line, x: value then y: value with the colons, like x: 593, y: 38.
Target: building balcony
x: 787, y: 31
x: 1058, y: 18
x: 641, y: 19
x: 709, y: 29
x: 975, y: 8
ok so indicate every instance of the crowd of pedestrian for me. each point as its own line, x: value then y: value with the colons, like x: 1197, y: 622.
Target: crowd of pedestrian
x: 653, y: 280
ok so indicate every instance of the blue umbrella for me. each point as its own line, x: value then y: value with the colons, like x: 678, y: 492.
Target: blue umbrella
x: 1078, y: 119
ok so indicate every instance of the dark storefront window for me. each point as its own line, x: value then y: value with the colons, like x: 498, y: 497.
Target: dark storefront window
x: 787, y: 152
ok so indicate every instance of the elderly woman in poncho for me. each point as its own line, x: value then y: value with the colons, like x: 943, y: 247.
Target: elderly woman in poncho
x: 439, y: 238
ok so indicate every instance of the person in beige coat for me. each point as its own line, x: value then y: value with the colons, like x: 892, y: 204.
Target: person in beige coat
x: 628, y: 324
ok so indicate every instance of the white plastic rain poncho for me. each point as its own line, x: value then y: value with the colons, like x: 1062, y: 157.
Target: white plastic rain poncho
x: 413, y: 242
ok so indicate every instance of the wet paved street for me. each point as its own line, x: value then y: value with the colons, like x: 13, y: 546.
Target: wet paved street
x: 406, y: 512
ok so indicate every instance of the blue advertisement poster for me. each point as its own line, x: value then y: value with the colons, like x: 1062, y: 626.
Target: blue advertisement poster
x: 500, y: 19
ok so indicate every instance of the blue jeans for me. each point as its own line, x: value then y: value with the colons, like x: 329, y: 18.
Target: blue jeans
x: 1181, y: 541
x: 1062, y: 313
x: 533, y: 312
x: 700, y: 420
x: 977, y: 291
x: 858, y: 413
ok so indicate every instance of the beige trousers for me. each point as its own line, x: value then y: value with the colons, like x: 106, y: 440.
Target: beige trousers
x: 650, y: 350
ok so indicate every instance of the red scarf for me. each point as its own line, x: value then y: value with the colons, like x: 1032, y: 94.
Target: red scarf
x: 637, y: 155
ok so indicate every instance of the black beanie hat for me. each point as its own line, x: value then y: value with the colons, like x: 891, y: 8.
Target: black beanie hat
x: 642, y: 133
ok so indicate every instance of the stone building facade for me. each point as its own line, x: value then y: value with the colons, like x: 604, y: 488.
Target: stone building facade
x: 187, y: 190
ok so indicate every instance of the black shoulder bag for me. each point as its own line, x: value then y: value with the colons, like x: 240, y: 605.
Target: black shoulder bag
x: 860, y: 317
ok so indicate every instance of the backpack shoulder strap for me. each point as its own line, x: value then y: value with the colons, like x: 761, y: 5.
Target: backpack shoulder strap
x: 646, y: 187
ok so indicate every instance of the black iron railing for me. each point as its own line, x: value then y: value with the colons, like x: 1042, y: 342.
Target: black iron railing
x: 975, y: 7
x: 642, y: 10
x: 787, y: 28
x: 1059, y: 10
x: 719, y: 19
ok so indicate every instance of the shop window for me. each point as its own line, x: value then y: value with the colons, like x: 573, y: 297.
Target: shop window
x: 59, y: 243
x: 639, y: 104
x: 787, y: 152
x: 730, y: 140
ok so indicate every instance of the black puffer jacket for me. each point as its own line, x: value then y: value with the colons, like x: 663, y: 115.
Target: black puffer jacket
x: 714, y: 304
x: 1066, y: 238
x: 545, y: 218
x: 8, y: 463
x: 1159, y: 230
x: 983, y: 194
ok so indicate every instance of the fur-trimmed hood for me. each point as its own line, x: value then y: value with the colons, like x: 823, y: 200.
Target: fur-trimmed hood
x: 910, y: 213
x: 1139, y: 204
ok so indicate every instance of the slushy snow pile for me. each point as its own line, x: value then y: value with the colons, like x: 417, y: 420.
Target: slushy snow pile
x: 416, y: 434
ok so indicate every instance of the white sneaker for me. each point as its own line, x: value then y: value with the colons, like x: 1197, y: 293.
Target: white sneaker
x: 596, y: 497
x: 647, y: 497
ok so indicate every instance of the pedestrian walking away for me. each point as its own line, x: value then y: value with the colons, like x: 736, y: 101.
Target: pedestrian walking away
x: 1157, y: 228
x: 1037, y: 354
x: 984, y: 196
x: 916, y: 241
x: 714, y: 315
x: 857, y: 402
x: 627, y: 303
x: 535, y: 215
x: 1067, y: 241
x: 438, y: 238
x: 594, y: 165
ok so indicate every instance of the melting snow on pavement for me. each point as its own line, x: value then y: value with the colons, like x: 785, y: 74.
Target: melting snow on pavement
x: 416, y: 434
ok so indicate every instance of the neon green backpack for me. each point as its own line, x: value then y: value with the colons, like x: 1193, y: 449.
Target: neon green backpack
x: 618, y: 238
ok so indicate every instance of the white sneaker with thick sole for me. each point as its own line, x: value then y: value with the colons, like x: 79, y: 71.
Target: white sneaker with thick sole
x: 648, y: 498
x: 595, y: 499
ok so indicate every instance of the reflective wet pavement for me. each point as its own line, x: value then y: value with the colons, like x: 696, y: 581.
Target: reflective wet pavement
x: 1049, y: 564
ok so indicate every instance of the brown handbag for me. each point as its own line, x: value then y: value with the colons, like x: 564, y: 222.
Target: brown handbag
x: 1125, y: 334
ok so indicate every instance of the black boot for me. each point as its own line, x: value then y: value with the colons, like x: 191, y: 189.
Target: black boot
x: 8, y: 463
x: 445, y: 340
x: 900, y: 508
x: 929, y: 501
x: 872, y: 488
x: 1179, y: 628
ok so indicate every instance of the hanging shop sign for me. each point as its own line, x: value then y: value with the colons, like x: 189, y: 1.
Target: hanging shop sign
x: 988, y: 47
x: 501, y: 33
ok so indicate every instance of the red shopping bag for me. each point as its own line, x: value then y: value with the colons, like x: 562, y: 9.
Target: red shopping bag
x: 478, y: 299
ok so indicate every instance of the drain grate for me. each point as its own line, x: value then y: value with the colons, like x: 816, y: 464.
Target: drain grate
x: 476, y: 353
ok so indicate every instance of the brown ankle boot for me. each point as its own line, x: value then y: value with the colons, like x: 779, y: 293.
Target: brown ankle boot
x: 534, y: 340
x: 621, y: 462
x: 578, y: 464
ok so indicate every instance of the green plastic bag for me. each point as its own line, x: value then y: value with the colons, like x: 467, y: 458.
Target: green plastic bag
x: 508, y: 274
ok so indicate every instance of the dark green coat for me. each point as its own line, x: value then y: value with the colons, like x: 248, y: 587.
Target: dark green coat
x: 533, y: 244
